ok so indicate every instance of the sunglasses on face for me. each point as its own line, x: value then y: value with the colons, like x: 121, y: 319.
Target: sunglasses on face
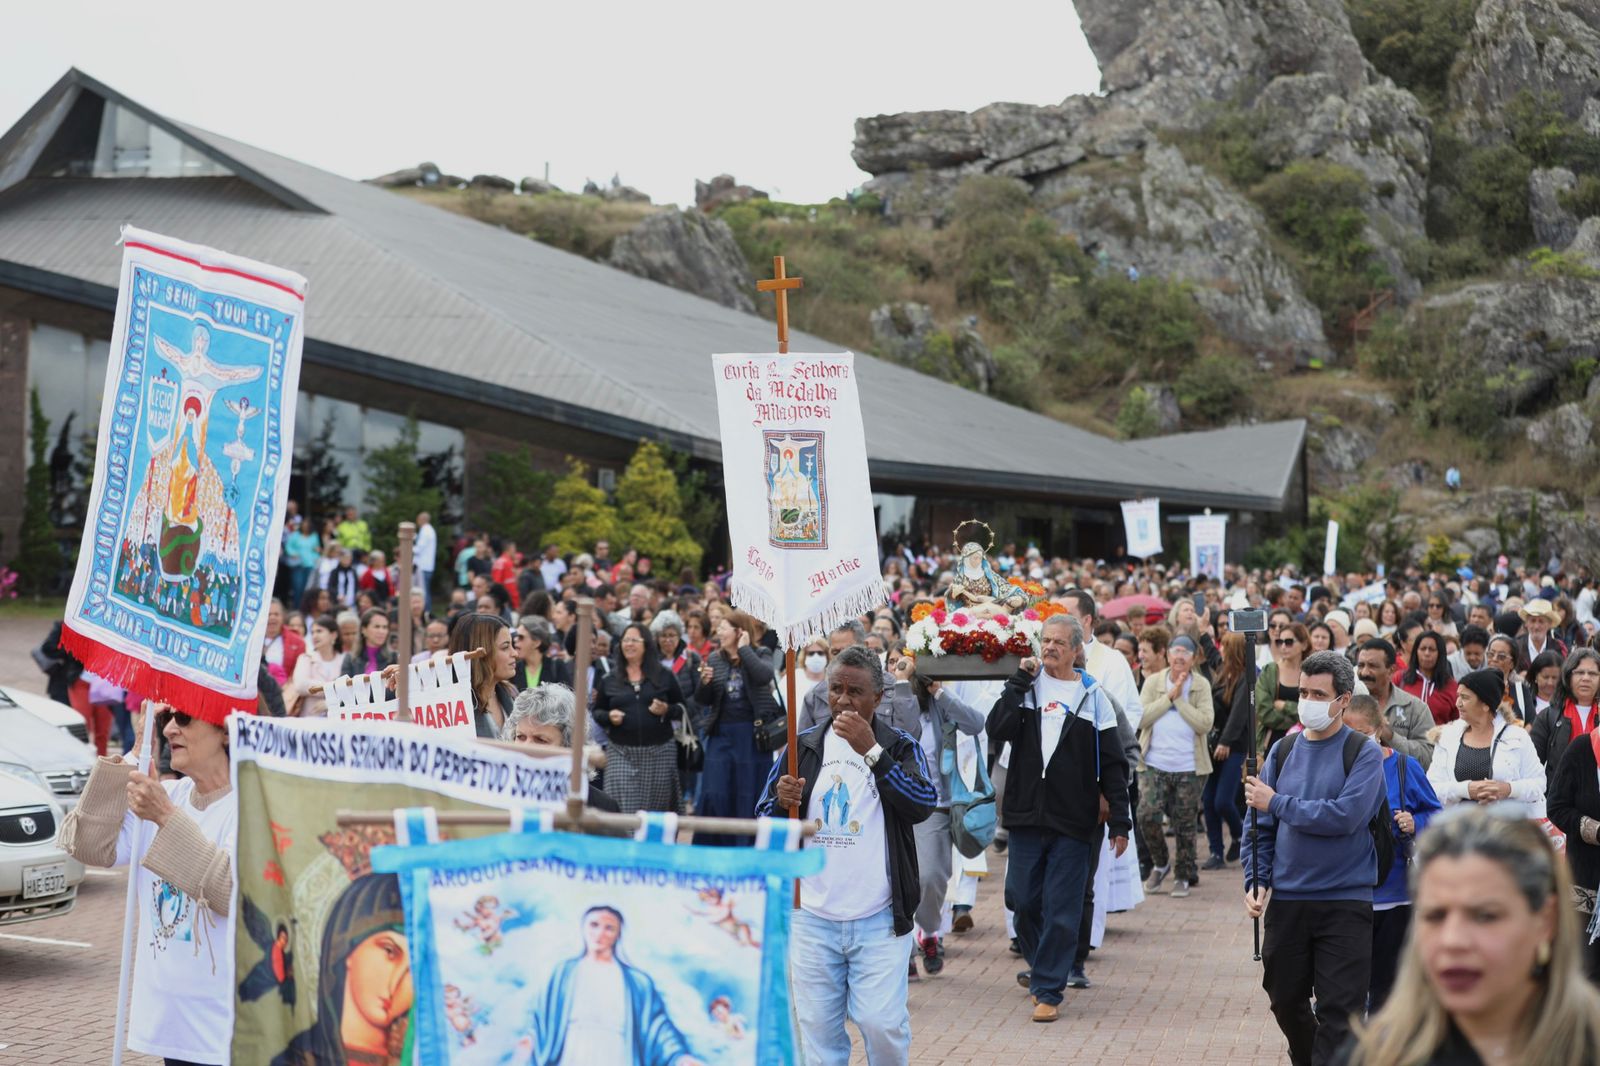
x: 1286, y: 642
x: 183, y: 720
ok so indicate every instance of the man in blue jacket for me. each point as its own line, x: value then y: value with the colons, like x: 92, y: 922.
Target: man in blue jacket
x: 1312, y: 857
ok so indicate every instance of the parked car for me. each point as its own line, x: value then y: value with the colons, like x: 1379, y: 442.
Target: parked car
x: 37, y: 878
x: 43, y: 707
x: 63, y: 763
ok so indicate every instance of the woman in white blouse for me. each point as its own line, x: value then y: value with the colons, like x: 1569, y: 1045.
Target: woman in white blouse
x: 318, y: 665
x: 1482, y: 757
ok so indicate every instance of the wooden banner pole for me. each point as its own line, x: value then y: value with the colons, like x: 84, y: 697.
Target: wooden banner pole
x: 583, y: 655
x: 402, y: 685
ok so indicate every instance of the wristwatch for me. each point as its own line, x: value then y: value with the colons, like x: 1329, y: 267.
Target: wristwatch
x: 872, y: 756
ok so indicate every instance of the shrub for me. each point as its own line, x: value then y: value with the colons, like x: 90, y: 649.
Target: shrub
x: 1479, y: 194
x: 582, y: 511
x: 1544, y: 263
x: 513, y: 497
x: 1413, y: 41
x: 395, y: 490
x: 649, y: 511
x: 1583, y: 200
x: 1138, y: 417
x: 38, y: 561
x: 1153, y: 323
x: 1215, y: 388
x: 1439, y: 559
x: 1006, y: 253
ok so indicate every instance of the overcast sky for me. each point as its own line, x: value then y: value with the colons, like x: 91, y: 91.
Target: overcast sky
x: 659, y: 92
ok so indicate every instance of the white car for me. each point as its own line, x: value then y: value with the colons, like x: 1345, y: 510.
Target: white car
x: 62, y: 762
x: 43, y: 707
x: 37, y: 878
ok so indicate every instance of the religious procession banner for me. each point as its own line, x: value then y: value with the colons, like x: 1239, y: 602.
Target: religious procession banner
x: 177, y: 563
x: 1207, y: 535
x: 440, y: 694
x: 322, y: 965
x: 794, y: 459
x: 547, y: 948
x: 1141, y: 521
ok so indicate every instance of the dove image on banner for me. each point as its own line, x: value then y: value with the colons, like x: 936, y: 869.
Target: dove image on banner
x: 1142, y: 521
x: 794, y: 459
x: 1207, y: 535
x: 191, y: 476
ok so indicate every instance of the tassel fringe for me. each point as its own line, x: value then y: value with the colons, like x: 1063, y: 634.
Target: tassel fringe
x: 854, y: 599
x: 152, y: 683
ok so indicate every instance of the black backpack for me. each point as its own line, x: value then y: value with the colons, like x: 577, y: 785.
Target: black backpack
x: 1378, y: 826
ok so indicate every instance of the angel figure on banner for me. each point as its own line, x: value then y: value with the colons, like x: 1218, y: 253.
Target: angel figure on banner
x: 719, y: 911
x: 796, y: 503
x: 976, y: 588
x: 484, y: 922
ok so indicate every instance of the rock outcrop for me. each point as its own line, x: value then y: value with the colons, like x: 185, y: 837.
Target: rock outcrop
x: 1168, y: 66
x: 1527, y: 335
x: 536, y: 187
x: 1566, y: 430
x: 906, y: 333
x: 1476, y: 518
x: 1553, y: 224
x: 1549, y: 48
x: 492, y: 183
x: 721, y: 191
x: 689, y: 251
x: 426, y: 175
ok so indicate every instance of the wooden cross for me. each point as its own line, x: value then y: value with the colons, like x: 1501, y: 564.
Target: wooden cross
x: 779, y: 285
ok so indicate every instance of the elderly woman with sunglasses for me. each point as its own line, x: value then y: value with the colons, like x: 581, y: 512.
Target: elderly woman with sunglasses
x: 182, y: 995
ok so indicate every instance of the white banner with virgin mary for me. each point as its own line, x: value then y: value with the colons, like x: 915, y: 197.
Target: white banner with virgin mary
x: 794, y: 459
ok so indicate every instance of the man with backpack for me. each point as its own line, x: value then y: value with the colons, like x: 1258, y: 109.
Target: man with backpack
x: 1320, y: 844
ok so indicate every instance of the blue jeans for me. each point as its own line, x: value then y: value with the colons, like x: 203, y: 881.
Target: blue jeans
x: 1220, y: 801
x: 731, y: 780
x: 1045, y: 877
x: 850, y: 968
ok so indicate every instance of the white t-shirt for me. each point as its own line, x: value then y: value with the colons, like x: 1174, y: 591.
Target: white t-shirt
x: 183, y: 977
x: 1057, y: 700
x: 1584, y: 713
x: 1172, y: 741
x: 849, y: 815
x: 425, y: 551
x: 552, y: 570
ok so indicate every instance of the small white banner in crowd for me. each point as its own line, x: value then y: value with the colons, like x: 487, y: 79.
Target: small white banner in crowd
x: 794, y: 459
x: 1330, y: 554
x: 1207, y: 535
x: 1142, y: 520
x: 440, y: 695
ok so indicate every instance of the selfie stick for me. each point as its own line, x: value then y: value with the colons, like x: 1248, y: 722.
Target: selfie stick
x: 1250, y: 770
x: 130, y: 910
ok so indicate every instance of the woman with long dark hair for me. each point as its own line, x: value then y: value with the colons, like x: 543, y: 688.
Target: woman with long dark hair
x: 638, y: 700
x: 492, y: 694
x: 1230, y: 698
x: 532, y: 642
x: 736, y: 689
x: 1570, y: 713
x: 374, y: 653
x: 1428, y: 676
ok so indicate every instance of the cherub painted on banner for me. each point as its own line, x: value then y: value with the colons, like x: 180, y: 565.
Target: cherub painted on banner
x: 797, y: 499
x: 180, y: 549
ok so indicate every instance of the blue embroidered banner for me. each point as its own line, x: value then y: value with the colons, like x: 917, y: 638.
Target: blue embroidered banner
x: 538, y: 947
x: 191, y: 476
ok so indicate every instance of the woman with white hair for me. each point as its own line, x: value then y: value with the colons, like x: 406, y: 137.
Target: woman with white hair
x: 543, y: 715
x: 676, y: 655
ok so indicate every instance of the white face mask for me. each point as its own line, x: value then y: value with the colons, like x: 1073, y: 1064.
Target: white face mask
x: 816, y: 661
x: 1315, y: 714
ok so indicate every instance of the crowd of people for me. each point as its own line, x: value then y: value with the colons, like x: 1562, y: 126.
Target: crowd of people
x: 1426, y: 743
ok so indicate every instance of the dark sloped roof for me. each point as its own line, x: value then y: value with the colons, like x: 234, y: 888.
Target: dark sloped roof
x: 447, y: 302
x: 1263, y: 455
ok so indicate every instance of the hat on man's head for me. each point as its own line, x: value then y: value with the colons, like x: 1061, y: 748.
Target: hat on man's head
x: 1538, y: 608
x: 1184, y: 641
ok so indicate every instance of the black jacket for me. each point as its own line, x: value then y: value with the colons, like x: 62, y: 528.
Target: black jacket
x: 639, y: 728
x: 1233, y: 720
x: 1088, y: 763
x: 905, y: 789
x: 756, y: 664
x: 551, y: 672
x: 1574, y: 795
x: 1551, y: 733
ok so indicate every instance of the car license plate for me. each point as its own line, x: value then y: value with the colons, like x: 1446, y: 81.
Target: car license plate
x: 41, y: 881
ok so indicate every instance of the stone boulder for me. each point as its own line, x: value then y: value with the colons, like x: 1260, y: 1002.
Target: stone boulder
x: 906, y: 333
x: 492, y: 183
x: 1585, y: 244
x: 1550, y: 48
x: 721, y: 191
x: 1474, y: 518
x: 689, y: 251
x: 423, y: 174
x: 536, y: 187
x: 1526, y: 334
x: 1553, y: 224
x: 623, y: 194
x: 1567, y: 431
x: 1336, y: 452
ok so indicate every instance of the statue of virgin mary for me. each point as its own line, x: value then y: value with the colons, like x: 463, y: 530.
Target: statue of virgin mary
x: 978, y: 590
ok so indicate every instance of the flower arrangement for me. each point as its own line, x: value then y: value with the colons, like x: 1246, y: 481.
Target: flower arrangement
x: 939, y: 631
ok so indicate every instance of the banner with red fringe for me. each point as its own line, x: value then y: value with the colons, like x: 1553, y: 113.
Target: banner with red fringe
x: 176, y: 567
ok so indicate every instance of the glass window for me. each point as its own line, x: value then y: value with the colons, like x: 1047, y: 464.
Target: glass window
x: 130, y: 147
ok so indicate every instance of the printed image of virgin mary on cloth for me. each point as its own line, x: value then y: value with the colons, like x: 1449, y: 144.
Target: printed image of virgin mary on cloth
x: 598, y: 1010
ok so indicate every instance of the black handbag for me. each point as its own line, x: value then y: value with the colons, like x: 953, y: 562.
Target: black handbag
x: 772, y: 733
x: 691, y: 753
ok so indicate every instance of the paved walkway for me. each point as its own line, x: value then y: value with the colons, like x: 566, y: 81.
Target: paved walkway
x: 1173, y: 984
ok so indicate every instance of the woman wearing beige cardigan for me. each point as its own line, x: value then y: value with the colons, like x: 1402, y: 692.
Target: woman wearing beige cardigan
x: 1172, y: 736
x: 183, y: 975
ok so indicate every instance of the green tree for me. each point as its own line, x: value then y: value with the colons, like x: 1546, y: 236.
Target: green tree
x: 1439, y: 559
x: 1413, y: 41
x: 701, y: 495
x: 1138, y: 417
x: 395, y: 489
x: 324, y: 477
x: 650, y: 511
x: 1215, y: 388
x: 38, y: 561
x: 513, y: 498
x: 581, y: 511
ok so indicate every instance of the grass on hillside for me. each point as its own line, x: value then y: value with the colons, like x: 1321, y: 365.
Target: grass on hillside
x: 585, y: 225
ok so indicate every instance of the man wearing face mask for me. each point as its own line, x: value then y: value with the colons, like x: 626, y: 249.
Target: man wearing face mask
x: 899, y: 705
x: 1313, y: 857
